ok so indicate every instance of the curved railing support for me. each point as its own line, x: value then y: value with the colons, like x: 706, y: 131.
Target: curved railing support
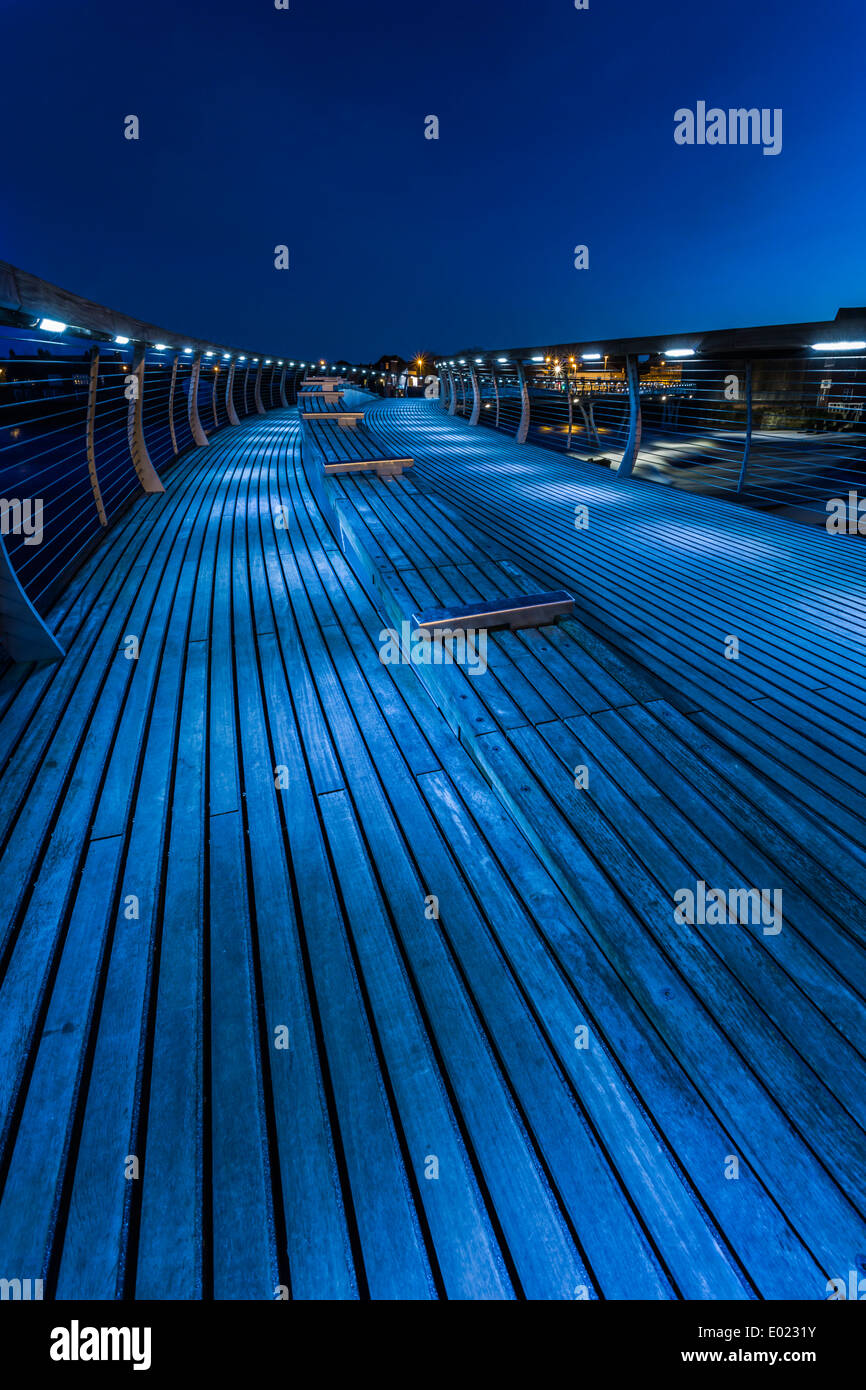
x: 523, y: 427
x: 145, y: 471
x: 230, y: 396
x: 589, y: 423
x: 92, y: 390
x: 476, y: 397
x: 258, y: 391
x: 22, y: 632
x: 283, y: 400
x: 198, y: 433
x: 632, y: 443
x: 171, y: 390
x: 452, y: 404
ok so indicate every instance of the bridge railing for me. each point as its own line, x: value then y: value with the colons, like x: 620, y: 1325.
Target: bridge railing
x: 773, y: 418
x: 95, y: 407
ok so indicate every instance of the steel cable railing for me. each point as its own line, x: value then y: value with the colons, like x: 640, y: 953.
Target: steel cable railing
x: 781, y: 424
x: 154, y: 407
x: 180, y: 389
x: 44, y: 391
x: 90, y: 415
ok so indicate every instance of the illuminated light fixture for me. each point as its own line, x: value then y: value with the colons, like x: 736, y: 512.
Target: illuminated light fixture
x: 242, y: 359
x: 680, y: 352
x: 590, y: 357
x: 838, y: 347
x: 208, y: 354
x: 502, y: 359
x: 51, y: 326
x: 187, y: 349
x: 160, y: 347
x: 122, y: 342
x: 226, y: 356
x: 536, y: 359
x: 268, y: 361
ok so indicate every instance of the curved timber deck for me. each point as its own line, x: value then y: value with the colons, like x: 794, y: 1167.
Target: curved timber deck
x: 319, y: 976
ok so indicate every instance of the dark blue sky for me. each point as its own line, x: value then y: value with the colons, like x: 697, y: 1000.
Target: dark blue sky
x: 306, y: 127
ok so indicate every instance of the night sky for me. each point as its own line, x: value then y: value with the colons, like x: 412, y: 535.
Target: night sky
x: 262, y: 127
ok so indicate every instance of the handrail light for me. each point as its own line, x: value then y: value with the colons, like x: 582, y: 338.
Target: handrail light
x: 51, y: 326
x: 838, y: 347
x: 680, y: 352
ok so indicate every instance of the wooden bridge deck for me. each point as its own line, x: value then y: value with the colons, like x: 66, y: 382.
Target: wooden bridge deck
x: 299, y: 951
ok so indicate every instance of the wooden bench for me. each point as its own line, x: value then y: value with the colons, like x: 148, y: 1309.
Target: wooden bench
x: 352, y: 451
x: 318, y: 406
x: 317, y: 393
x: 529, y: 610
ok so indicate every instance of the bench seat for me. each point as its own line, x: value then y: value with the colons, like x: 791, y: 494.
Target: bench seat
x: 524, y: 610
x: 319, y: 405
x: 352, y: 450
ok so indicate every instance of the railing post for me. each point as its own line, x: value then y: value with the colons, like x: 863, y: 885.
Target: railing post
x: 496, y: 394
x: 22, y: 632
x: 145, y: 471
x: 523, y: 427
x: 283, y: 400
x: 198, y: 433
x: 741, y: 481
x: 93, y: 387
x: 632, y: 443
x: 171, y: 392
x: 215, y: 396
x: 452, y: 406
x: 476, y: 397
x: 230, y: 395
x: 589, y: 424
x: 258, y: 393
x: 570, y: 415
